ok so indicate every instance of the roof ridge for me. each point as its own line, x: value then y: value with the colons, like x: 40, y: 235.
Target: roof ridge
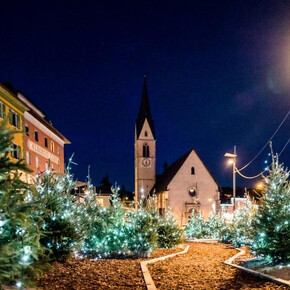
x: 171, y: 171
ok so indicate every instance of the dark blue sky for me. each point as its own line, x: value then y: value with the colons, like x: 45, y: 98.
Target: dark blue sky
x: 218, y: 75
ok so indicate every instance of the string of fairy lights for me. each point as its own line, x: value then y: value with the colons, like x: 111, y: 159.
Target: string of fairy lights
x: 268, y: 142
x: 266, y: 162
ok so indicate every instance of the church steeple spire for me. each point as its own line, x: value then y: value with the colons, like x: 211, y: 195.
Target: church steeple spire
x: 145, y: 149
x: 144, y: 111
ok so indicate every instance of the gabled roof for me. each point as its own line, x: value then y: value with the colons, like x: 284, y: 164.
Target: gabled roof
x: 144, y: 112
x: 164, y: 179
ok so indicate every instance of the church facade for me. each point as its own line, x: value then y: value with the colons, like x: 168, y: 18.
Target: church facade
x: 186, y: 186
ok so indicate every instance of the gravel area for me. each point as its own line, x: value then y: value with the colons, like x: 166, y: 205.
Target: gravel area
x: 250, y: 261
x: 99, y: 274
x: 203, y: 268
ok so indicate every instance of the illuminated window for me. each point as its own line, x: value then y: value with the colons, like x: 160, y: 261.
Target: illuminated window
x: 28, y: 160
x: 37, y: 162
x: 14, y: 119
x: 100, y: 201
x: 192, y: 171
x: 16, y: 151
x: 2, y: 110
x: 36, y: 136
x: 45, y: 142
x: 146, y: 150
x: 52, y: 146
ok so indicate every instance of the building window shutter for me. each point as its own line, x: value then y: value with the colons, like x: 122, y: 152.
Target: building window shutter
x: 2, y: 110
x: 10, y: 117
x: 18, y: 152
x: 17, y: 121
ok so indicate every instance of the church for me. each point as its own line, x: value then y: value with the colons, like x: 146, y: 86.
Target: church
x: 186, y: 186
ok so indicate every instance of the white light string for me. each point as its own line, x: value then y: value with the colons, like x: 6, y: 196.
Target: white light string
x: 267, y: 142
x: 249, y: 177
x: 255, y: 176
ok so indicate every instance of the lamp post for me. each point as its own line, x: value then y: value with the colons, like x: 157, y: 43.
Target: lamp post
x: 233, y: 161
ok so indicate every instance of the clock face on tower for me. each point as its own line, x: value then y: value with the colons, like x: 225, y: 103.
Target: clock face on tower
x: 146, y: 162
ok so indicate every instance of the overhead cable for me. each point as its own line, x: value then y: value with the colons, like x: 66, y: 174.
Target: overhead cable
x: 255, y: 176
x: 267, y: 142
x: 284, y: 146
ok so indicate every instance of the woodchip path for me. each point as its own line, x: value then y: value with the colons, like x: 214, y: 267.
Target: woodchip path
x: 203, y: 268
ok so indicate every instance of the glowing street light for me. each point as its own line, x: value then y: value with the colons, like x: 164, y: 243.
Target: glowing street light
x: 233, y: 162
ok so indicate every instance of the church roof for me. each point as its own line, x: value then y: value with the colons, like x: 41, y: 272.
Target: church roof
x: 165, y: 178
x: 144, y: 111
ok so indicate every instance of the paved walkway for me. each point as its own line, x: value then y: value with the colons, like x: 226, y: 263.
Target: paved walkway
x: 203, y: 268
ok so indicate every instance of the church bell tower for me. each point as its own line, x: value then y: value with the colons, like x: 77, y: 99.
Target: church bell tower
x: 145, y: 148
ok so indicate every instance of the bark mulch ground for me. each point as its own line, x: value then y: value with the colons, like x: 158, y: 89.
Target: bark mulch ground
x: 99, y: 274
x: 203, y: 268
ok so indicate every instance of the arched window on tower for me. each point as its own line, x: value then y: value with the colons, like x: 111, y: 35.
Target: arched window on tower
x: 192, y: 171
x: 146, y: 134
x: 146, y: 150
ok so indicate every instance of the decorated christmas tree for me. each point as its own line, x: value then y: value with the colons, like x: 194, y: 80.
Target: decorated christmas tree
x: 169, y: 233
x: 141, y: 228
x: 215, y: 226
x: 107, y: 229
x: 19, y: 230
x: 195, y: 227
x: 62, y: 230
x: 240, y: 230
x: 272, y: 224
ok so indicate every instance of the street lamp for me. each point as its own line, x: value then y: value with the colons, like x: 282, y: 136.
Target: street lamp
x: 233, y: 161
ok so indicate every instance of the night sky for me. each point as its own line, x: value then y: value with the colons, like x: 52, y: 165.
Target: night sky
x: 218, y: 75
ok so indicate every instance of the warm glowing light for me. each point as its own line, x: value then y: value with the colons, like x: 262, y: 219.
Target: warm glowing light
x: 231, y: 161
x: 260, y: 185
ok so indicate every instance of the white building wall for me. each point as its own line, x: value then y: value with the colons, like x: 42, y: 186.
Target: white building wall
x: 207, y: 195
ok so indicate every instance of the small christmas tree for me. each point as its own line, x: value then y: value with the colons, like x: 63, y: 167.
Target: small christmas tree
x: 141, y: 229
x: 62, y: 231
x: 240, y: 230
x: 19, y: 231
x: 215, y: 226
x: 272, y: 224
x: 195, y: 227
x: 107, y: 229
x: 169, y: 233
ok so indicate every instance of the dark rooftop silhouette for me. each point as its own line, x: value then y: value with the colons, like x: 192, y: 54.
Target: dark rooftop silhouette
x: 144, y: 111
